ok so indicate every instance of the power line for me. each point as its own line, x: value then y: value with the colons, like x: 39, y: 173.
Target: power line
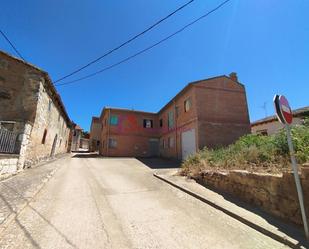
x: 12, y: 45
x: 146, y: 49
x: 125, y: 43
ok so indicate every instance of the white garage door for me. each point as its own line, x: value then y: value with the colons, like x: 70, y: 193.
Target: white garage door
x: 188, y: 143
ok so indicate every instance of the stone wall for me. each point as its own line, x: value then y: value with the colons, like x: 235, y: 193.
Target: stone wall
x: 8, y: 163
x: 275, y: 194
x: 48, y: 118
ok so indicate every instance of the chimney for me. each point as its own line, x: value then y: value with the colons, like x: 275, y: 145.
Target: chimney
x: 233, y: 76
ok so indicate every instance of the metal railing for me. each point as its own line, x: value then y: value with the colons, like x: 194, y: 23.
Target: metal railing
x: 7, y: 141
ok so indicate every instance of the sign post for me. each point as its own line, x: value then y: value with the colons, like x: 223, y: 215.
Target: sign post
x: 285, y: 116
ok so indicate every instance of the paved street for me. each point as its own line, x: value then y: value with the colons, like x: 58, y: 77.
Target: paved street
x: 93, y: 202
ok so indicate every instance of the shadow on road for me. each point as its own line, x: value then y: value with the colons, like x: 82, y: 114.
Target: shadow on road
x: 87, y: 155
x: 290, y: 229
x: 160, y: 163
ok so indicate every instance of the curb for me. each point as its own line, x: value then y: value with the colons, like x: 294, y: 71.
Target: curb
x: 282, y: 239
x: 13, y: 215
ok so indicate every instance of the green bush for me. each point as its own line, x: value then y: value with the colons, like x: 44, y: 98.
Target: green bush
x: 253, y: 153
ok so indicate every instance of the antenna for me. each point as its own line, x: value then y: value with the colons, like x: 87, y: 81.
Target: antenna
x: 264, y: 107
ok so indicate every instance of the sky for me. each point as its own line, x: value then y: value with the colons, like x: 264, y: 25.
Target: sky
x: 266, y: 42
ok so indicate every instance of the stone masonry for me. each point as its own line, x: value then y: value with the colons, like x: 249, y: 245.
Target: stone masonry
x: 275, y: 194
x: 31, y: 107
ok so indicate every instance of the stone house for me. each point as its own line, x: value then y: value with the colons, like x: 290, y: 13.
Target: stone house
x: 76, y: 137
x: 211, y: 112
x: 95, y: 130
x: 32, y: 111
x: 271, y: 125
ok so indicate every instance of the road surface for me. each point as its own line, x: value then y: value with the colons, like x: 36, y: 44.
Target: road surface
x: 94, y: 202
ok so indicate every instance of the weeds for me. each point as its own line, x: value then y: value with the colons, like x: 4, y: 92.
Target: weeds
x: 253, y: 153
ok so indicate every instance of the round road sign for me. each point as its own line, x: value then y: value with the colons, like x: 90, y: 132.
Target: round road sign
x: 283, y: 109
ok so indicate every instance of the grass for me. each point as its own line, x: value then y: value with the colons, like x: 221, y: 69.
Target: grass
x: 254, y: 153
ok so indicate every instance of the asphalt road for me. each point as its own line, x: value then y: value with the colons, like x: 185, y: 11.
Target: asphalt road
x: 117, y: 203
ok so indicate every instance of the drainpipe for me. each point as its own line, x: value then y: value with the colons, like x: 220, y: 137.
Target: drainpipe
x: 107, y: 140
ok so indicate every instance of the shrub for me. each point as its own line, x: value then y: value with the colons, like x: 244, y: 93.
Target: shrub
x: 253, y: 153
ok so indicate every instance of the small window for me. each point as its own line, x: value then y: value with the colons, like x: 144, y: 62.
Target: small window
x: 113, y: 120
x: 148, y: 123
x: 112, y: 143
x: 60, y: 142
x: 170, y: 120
x: 49, y: 105
x: 170, y: 142
x: 161, y: 122
x: 187, y: 104
x: 98, y: 143
x: 262, y: 132
x: 44, y: 136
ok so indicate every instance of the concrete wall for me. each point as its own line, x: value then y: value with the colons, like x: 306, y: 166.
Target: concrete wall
x: 275, y: 194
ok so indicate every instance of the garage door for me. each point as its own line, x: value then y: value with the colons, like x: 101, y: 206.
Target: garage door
x: 188, y: 143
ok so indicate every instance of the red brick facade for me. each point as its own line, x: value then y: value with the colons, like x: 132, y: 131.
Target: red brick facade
x: 211, y: 112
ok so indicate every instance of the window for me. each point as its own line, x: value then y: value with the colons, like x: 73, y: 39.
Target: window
x: 113, y: 120
x: 161, y: 122
x: 98, y: 143
x: 163, y: 143
x: 170, y: 142
x: 112, y: 143
x: 60, y: 142
x: 44, y: 136
x: 262, y: 132
x: 148, y: 123
x: 187, y: 104
x: 7, y: 125
x: 170, y: 120
x: 49, y: 105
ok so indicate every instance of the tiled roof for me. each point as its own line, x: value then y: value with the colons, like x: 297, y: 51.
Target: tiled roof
x: 296, y: 112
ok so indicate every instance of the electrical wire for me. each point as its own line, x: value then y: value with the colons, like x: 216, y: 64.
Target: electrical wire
x: 125, y: 43
x: 12, y: 45
x: 146, y: 49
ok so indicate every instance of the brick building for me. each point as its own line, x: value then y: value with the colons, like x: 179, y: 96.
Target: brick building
x: 33, y: 118
x: 211, y: 112
x: 95, y: 131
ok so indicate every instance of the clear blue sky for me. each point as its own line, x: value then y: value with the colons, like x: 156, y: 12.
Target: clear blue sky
x: 266, y: 42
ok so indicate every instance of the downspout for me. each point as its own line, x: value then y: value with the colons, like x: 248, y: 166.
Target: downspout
x: 107, y: 140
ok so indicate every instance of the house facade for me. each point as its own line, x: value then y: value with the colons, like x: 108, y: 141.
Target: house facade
x: 271, y: 125
x: 33, y: 119
x: 95, y: 131
x: 76, y: 137
x: 211, y: 112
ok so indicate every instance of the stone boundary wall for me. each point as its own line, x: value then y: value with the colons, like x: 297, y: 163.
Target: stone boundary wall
x: 8, y: 163
x: 275, y: 194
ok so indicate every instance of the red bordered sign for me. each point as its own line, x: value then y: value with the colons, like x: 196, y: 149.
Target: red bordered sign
x: 283, y: 109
